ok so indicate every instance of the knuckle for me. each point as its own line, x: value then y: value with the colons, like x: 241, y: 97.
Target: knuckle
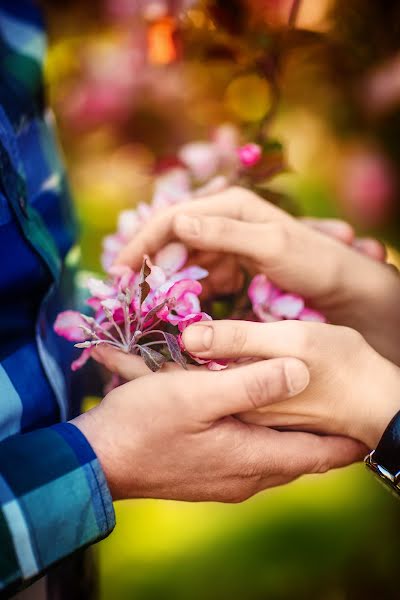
x: 237, y: 197
x: 238, y: 338
x: 320, y: 465
x: 278, y: 237
x: 320, y: 459
x: 256, y: 390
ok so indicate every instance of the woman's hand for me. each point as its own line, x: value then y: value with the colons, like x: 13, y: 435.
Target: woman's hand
x: 353, y: 390
x: 235, y: 228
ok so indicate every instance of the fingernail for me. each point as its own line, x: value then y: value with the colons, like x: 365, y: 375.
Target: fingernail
x: 187, y: 225
x: 297, y: 376
x: 198, y: 338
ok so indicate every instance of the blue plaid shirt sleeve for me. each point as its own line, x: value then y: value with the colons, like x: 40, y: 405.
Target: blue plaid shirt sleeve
x: 51, y: 488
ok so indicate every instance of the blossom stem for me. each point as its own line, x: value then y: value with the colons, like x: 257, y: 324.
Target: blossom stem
x: 127, y: 324
x: 155, y: 343
x: 117, y: 327
x: 107, y: 333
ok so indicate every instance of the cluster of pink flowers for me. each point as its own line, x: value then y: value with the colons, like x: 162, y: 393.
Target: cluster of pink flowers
x: 203, y: 167
x: 141, y: 313
x: 145, y: 313
x: 270, y: 303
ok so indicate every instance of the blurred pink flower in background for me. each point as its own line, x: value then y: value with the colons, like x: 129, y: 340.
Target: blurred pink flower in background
x: 250, y: 154
x: 381, y: 91
x: 148, y: 9
x: 367, y: 187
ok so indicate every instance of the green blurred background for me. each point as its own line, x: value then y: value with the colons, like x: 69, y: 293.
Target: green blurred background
x: 316, y: 84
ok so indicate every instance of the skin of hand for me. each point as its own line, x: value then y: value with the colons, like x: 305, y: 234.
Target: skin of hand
x: 236, y: 229
x: 353, y: 390
x: 171, y: 435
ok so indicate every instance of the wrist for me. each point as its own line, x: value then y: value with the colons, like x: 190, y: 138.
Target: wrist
x: 381, y: 403
x: 90, y: 426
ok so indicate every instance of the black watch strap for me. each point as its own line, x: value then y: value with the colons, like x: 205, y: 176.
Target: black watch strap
x: 387, y: 453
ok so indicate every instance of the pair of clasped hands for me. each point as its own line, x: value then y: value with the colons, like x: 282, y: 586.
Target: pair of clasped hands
x: 319, y: 395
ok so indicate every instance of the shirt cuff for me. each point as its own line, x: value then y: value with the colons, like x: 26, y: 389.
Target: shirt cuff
x: 54, y: 500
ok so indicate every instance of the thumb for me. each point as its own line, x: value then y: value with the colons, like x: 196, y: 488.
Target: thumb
x: 248, y: 387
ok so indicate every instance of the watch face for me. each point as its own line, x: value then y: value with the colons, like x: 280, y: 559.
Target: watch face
x: 389, y: 480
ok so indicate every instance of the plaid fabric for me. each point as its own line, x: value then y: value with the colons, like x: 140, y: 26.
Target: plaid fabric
x: 53, y: 495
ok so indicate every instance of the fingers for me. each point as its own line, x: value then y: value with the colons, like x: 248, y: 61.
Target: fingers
x: 371, y: 248
x: 344, y: 232
x: 235, y: 203
x: 210, y: 396
x: 241, y: 339
x: 340, y: 230
x: 223, y: 234
x: 127, y: 366
x: 306, y: 453
x: 130, y: 367
x: 252, y: 386
x: 280, y: 457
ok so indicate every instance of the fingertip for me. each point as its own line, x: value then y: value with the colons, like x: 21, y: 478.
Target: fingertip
x: 336, y: 228
x: 371, y: 247
x: 198, y: 338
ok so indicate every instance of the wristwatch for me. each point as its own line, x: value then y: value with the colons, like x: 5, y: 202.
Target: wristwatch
x: 384, y: 462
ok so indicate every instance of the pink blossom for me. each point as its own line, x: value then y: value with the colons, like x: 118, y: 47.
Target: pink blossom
x: 270, y: 303
x: 184, y: 296
x: 367, y: 186
x: 287, y: 306
x: 171, y: 258
x: 307, y: 314
x: 70, y: 324
x: 249, y: 154
x: 171, y: 187
x: 201, y: 158
x: 193, y: 318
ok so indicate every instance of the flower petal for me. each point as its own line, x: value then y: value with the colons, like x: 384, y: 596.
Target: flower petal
x: 308, y: 314
x: 111, y: 304
x: 185, y: 286
x: 82, y: 360
x: 201, y: 158
x: 194, y: 318
x: 217, y: 365
x: 156, y: 278
x: 192, y: 272
x: 68, y: 325
x: 287, y: 306
x: 171, y: 258
x: 261, y: 290
x: 98, y: 288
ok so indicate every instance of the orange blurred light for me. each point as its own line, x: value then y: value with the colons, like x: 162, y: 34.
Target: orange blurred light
x: 161, y: 44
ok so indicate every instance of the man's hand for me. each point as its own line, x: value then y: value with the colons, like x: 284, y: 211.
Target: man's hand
x: 171, y: 435
x: 235, y: 228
